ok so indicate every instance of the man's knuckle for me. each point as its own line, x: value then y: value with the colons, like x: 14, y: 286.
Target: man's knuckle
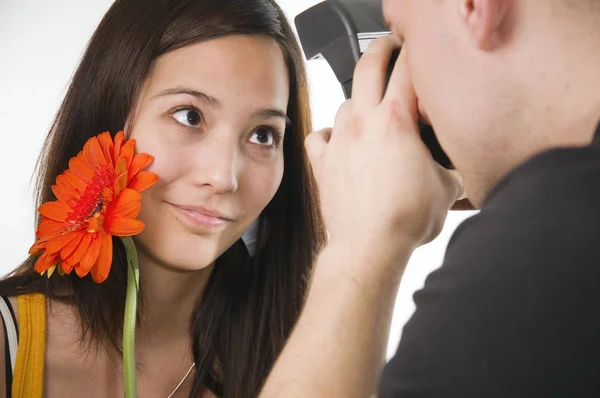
x: 392, y: 110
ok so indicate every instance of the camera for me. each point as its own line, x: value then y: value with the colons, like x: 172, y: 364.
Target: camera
x: 339, y: 31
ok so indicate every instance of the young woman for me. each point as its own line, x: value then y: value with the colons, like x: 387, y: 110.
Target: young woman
x: 216, y: 91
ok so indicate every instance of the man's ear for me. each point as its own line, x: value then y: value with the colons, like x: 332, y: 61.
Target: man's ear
x: 485, y: 19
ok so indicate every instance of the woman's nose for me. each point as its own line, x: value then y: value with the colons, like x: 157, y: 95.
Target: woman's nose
x: 219, y: 165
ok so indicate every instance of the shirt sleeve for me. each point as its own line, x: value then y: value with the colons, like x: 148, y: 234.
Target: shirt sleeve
x: 514, y: 311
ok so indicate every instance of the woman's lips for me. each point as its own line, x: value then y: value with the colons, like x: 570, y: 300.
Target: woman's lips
x: 203, y: 217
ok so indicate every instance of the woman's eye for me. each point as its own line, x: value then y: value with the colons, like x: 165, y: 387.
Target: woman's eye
x: 264, y: 136
x: 188, y: 117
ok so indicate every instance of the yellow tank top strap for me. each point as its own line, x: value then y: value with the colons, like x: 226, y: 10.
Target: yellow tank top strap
x: 28, y: 379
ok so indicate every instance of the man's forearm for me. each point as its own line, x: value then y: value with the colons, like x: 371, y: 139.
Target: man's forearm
x: 338, y: 346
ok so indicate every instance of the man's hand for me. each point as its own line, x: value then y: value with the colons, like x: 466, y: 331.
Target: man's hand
x: 382, y: 196
x: 376, y: 177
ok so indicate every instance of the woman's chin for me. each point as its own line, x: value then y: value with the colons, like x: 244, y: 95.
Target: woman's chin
x: 193, y: 267
x: 175, y: 260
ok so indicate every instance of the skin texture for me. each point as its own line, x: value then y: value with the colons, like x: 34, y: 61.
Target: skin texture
x: 228, y: 163
x: 500, y: 81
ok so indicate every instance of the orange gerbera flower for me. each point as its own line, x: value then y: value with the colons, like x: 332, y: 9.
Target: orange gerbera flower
x: 98, y: 198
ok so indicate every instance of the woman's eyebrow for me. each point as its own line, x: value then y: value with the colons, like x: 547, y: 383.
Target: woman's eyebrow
x: 194, y: 93
x: 274, y: 113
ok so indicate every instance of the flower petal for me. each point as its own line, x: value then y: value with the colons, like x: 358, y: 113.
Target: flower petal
x: 129, y: 210
x: 108, y: 147
x: 119, y: 139
x: 55, y: 210
x: 51, y: 270
x: 45, y: 261
x: 77, y: 166
x: 127, y: 204
x: 65, y: 267
x: 126, y: 197
x: 70, y: 180
x: 121, y: 167
x: 56, y: 244
x: 127, y: 152
x: 80, y: 272
x: 120, y: 183
x: 39, y: 264
x: 123, y: 226
x: 80, y: 251
x: 121, y: 179
x: 92, y: 150
x: 71, y: 246
x: 143, y: 180
x: 38, y: 247
x: 48, y: 229
x: 101, y: 269
x: 96, y: 223
x: 140, y: 162
x: 65, y: 194
x: 91, y: 256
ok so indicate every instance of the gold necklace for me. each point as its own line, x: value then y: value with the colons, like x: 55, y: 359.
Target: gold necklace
x: 123, y: 378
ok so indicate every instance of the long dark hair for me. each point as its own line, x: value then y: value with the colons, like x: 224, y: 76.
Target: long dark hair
x: 250, y: 305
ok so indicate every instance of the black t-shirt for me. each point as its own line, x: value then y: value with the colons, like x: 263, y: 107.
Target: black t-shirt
x: 514, y: 311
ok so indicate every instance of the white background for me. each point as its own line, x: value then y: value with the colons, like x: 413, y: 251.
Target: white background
x: 40, y: 44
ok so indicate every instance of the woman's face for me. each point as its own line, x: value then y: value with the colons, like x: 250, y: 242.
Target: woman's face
x: 213, y: 115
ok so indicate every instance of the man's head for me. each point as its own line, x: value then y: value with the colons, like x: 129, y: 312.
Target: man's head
x: 501, y: 80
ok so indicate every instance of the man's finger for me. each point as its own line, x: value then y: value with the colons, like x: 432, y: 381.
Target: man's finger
x: 371, y: 71
x: 342, y: 118
x: 454, y: 186
x: 400, y: 89
x: 316, y: 145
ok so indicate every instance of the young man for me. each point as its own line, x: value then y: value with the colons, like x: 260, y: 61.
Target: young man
x: 512, y: 89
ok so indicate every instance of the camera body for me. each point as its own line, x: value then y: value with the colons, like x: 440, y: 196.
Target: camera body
x: 339, y: 31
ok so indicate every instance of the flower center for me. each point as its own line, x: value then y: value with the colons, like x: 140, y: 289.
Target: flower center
x: 92, y: 200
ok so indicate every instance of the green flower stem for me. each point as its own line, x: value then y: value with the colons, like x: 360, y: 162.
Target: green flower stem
x: 129, y: 324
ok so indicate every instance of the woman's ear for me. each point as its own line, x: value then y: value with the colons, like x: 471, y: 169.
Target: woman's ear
x: 485, y: 19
